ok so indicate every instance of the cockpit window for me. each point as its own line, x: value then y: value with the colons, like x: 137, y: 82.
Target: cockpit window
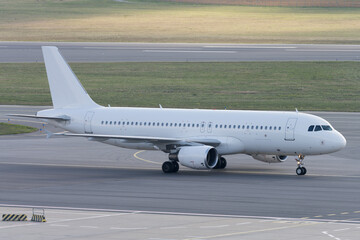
x: 311, y: 128
x: 317, y: 128
x: 326, y: 127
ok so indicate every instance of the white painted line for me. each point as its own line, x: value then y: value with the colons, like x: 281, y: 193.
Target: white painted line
x: 58, y: 225
x: 343, y: 229
x: 330, y: 235
x: 69, y: 165
x: 172, y: 227
x: 216, y: 226
x: 106, y: 48
x: 250, y: 47
x: 72, y: 213
x: 89, y: 227
x: 87, y: 218
x: 243, y: 223
x: 185, y: 51
x: 117, y: 228
x: 267, y: 220
x: 161, y: 239
x: 322, y: 50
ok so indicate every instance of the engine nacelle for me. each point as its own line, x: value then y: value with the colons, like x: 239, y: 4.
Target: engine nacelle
x: 270, y: 158
x: 197, y: 157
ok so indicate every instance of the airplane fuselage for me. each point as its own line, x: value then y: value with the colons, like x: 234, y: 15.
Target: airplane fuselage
x: 249, y: 132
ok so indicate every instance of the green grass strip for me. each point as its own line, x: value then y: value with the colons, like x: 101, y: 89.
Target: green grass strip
x: 6, y: 129
x: 323, y: 86
x: 159, y: 21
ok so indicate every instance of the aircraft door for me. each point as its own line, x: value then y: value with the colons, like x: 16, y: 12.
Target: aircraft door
x: 202, y: 127
x: 87, y: 122
x: 290, y: 129
x: 209, y: 127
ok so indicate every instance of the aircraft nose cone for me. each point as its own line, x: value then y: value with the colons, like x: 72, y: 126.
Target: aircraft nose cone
x: 342, y: 141
x: 339, y: 143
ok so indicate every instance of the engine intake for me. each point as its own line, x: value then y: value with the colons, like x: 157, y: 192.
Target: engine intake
x: 196, y: 157
x: 270, y: 158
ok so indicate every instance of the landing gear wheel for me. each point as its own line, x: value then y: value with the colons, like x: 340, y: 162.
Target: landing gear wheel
x: 176, y: 166
x: 167, y: 167
x: 223, y: 163
x: 170, y: 167
x: 301, y: 171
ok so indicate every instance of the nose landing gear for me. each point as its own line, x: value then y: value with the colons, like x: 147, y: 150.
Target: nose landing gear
x: 300, y: 170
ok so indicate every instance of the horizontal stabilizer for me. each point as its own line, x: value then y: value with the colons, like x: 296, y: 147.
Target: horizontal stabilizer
x: 58, y: 118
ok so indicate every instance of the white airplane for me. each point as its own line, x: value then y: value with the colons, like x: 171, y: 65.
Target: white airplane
x: 197, y: 139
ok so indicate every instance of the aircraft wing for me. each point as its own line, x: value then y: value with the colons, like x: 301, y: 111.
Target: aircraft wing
x: 154, y: 140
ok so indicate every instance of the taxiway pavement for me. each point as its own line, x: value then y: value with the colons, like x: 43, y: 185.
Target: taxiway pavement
x: 100, y: 224
x: 73, y: 172
x: 179, y: 52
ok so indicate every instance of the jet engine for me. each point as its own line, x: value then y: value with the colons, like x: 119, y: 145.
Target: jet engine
x: 197, y: 157
x: 270, y: 158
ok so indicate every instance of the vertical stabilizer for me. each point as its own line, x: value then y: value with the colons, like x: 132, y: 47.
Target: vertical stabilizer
x: 66, y: 90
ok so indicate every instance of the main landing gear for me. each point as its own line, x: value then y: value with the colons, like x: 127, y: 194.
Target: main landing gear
x: 221, y: 164
x: 300, y: 170
x: 170, y: 167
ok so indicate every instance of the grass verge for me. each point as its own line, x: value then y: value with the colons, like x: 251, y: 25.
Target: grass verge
x: 6, y: 129
x: 158, y: 21
x: 325, y: 86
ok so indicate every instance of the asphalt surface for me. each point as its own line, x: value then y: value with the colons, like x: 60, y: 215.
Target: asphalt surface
x: 73, y: 172
x: 163, y: 52
x: 100, y: 224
